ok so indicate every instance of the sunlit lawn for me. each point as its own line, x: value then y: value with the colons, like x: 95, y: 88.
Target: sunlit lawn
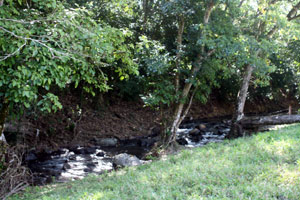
x: 264, y: 166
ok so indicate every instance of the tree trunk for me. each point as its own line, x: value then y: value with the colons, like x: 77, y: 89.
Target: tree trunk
x: 290, y: 110
x: 179, y: 107
x: 242, y: 95
x: 145, y: 8
x: 3, y: 115
x: 236, y: 129
x: 252, y: 122
x: 179, y: 114
x: 4, y: 109
x: 179, y: 49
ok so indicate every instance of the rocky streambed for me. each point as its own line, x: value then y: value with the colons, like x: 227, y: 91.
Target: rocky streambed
x: 198, y: 133
x: 106, y: 154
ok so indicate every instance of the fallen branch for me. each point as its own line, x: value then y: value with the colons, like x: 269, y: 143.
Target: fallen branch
x: 13, y: 177
x: 248, y: 122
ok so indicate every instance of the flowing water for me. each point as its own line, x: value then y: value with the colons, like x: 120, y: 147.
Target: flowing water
x: 73, y: 163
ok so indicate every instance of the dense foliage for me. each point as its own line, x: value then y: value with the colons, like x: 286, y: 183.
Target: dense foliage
x: 167, y: 52
x: 43, y: 44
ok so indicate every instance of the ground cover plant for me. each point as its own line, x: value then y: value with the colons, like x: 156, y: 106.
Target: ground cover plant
x: 263, y: 166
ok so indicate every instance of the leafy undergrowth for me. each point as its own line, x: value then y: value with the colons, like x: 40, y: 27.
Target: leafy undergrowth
x: 264, y: 166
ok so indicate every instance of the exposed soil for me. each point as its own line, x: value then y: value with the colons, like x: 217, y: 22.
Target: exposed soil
x: 74, y: 126
x: 215, y: 108
x: 120, y: 119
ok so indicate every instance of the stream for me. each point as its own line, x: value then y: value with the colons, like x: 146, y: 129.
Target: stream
x: 71, y: 163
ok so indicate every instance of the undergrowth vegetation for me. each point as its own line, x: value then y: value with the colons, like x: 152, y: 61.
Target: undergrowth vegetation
x: 263, y: 166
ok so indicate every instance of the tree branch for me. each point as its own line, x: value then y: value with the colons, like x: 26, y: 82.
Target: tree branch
x: 267, y: 9
x: 34, y: 40
x: 272, y: 31
x: 52, y: 50
x: 22, y: 21
x: 293, y: 12
x: 14, y: 53
x: 210, y: 52
x: 241, y: 3
x: 211, y: 5
x: 295, y: 17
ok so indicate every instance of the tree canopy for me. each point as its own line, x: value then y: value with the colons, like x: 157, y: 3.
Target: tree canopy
x: 172, y: 51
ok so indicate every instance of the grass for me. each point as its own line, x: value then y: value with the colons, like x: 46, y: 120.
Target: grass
x: 264, y: 166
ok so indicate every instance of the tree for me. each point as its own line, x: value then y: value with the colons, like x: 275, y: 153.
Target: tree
x: 195, y: 43
x: 265, y: 20
x: 236, y: 36
x: 44, y: 45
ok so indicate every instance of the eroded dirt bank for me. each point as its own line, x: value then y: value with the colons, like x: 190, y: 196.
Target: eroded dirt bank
x: 78, y: 123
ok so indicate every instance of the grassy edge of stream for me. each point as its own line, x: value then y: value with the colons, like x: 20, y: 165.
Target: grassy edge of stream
x: 263, y: 166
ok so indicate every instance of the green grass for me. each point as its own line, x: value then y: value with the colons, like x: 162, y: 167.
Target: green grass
x: 264, y: 166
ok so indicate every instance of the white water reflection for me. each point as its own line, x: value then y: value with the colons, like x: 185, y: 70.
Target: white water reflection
x: 199, y: 134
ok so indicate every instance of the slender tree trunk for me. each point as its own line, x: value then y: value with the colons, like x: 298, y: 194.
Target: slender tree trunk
x: 180, y: 105
x: 3, y: 115
x: 179, y: 113
x: 145, y: 8
x: 177, y: 118
x: 179, y: 49
x: 242, y: 95
x: 4, y: 109
x: 290, y: 109
x: 236, y: 129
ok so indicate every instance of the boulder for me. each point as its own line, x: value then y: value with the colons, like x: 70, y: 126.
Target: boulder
x: 83, y: 150
x: 126, y: 160
x: 58, y: 152
x: 88, y: 170
x: 106, y: 142
x: 90, y: 150
x: 182, y: 141
x: 72, y: 156
x: 67, y: 166
x: 195, y: 132
x: 30, y: 157
x: 195, y: 138
x: 201, y: 127
x: 91, y: 165
x: 100, y: 154
x: 148, y: 142
x: 78, y: 150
